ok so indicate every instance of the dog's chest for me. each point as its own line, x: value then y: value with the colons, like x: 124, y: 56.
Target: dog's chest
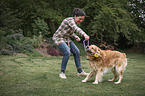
x: 94, y: 65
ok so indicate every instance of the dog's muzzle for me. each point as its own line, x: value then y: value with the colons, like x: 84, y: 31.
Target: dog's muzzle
x: 89, y: 51
x: 92, y: 53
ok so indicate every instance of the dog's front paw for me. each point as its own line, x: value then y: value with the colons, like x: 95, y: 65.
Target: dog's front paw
x: 84, y: 81
x: 95, y: 83
x: 111, y: 79
x: 117, y: 82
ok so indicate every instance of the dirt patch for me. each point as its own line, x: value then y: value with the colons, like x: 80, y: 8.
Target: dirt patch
x: 42, y: 51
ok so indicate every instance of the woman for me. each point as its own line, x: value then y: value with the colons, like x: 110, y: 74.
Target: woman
x: 62, y: 38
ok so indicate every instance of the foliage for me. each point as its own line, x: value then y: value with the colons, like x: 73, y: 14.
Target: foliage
x: 9, y: 19
x: 2, y: 43
x: 6, y: 52
x: 50, y: 42
x: 137, y: 8
x: 109, y: 20
x: 17, y: 43
x: 65, y: 9
x: 40, y: 26
x: 9, y: 23
x: 37, y: 40
x: 30, y: 10
x: 116, y: 22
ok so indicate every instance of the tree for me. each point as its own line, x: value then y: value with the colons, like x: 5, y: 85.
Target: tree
x: 137, y: 8
x: 40, y: 26
x: 30, y: 10
x: 108, y: 20
x: 9, y: 22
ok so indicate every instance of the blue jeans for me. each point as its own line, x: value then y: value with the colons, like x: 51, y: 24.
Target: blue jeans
x: 67, y: 51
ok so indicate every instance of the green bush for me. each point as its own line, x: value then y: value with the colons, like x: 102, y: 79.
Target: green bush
x: 51, y: 42
x: 2, y: 43
x: 28, y: 47
x: 40, y: 25
x: 16, y: 43
x: 6, y: 52
x: 37, y: 41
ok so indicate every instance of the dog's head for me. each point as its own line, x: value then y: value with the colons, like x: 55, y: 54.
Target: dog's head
x: 93, y: 52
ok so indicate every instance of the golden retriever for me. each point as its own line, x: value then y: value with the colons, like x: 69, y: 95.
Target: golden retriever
x: 101, y: 61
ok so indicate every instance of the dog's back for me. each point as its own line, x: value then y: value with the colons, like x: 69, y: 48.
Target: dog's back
x: 113, y: 58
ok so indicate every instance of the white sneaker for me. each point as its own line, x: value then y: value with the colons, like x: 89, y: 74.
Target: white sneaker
x: 82, y: 74
x: 62, y: 75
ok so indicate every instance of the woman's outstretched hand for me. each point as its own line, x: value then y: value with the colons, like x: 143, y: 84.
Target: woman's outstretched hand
x: 86, y: 37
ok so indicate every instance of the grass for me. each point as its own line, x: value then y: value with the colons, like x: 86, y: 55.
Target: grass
x: 38, y: 76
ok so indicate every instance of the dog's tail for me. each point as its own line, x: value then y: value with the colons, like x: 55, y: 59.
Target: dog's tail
x: 125, y: 63
x: 124, y: 55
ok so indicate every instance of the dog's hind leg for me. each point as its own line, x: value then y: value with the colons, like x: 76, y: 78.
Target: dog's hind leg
x: 99, y: 75
x: 115, y: 75
x: 88, y: 76
x: 120, y: 70
x: 120, y: 78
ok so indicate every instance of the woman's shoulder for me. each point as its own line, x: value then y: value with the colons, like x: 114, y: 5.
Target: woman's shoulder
x: 69, y: 18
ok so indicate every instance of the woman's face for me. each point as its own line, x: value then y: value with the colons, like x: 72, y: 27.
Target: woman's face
x: 79, y: 19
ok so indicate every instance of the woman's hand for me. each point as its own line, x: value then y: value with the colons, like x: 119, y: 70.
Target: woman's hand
x: 78, y: 39
x: 86, y: 37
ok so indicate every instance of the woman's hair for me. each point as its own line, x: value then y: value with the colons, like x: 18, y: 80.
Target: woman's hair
x: 78, y: 12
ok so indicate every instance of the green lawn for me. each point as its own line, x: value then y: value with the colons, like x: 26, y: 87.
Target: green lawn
x: 38, y: 76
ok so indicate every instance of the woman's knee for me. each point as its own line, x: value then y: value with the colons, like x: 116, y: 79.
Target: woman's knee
x: 67, y: 53
x: 76, y: 52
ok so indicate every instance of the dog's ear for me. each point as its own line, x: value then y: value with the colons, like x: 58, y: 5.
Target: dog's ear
x: 96, y: 49
x: 102, y: 55
x: 99, y: 49
x: 93, y: 47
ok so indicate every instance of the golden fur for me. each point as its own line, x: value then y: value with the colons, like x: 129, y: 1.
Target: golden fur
x: 105, y: 60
